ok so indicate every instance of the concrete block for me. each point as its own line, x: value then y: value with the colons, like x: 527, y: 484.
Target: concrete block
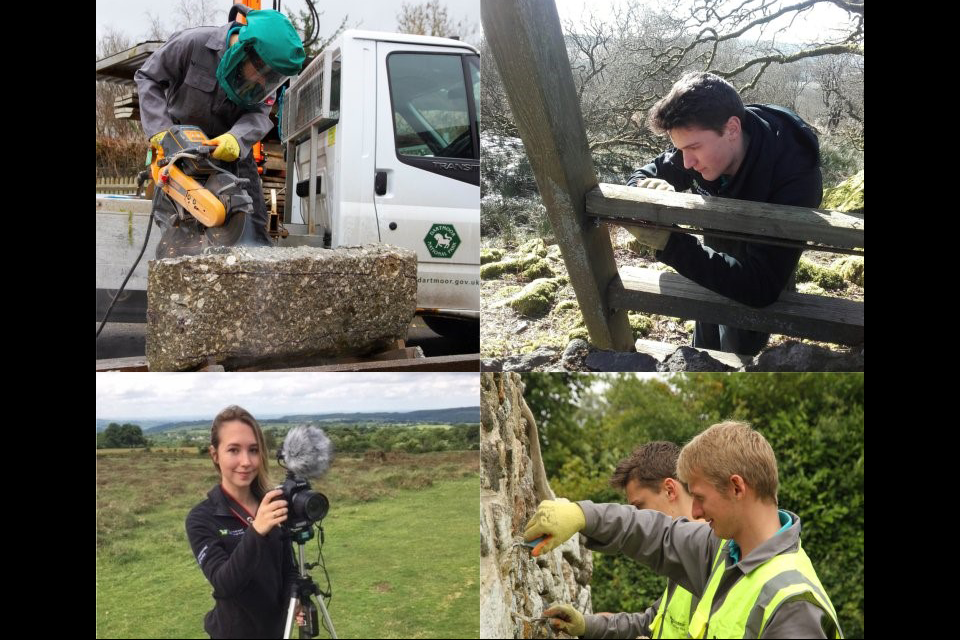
x: 277, y: 304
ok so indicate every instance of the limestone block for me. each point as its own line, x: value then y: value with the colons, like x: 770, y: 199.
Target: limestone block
x: 277, y: 304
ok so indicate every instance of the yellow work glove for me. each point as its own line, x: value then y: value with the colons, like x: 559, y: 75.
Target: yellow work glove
x: 655, y: 183
x: 566, y: 618
x: 228, y: 149
x: 155, y: 140
x: 656, y: 238
x: 558, y: 519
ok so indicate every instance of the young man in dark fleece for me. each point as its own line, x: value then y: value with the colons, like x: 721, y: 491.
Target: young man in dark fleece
x: 722, y: 148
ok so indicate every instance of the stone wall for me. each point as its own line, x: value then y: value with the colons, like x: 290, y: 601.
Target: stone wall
x: 515, y: 587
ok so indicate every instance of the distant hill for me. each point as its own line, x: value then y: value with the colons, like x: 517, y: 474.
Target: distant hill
x: 459, y: 415
x: 435, y: 416
x: 143, y: 424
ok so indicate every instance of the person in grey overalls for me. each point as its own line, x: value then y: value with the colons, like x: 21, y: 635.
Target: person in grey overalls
x: 222, y: 79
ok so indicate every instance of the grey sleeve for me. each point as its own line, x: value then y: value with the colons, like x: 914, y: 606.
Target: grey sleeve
x: 797, y: 619
x: 681, y: 550
x: 621, y: 625
x: 166, y: 70
x: 252, y: 127
x: 166, y: 67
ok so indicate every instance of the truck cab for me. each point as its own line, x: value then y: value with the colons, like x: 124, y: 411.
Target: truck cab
x: 388, y: 125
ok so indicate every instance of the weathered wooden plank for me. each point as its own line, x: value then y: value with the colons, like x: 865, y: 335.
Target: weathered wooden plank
x: 120, y: 67
x: 127, y: 113
x: 273, y: 163
x: 830, y: 228
x: 467, y: 362
x: 531, y: 56
x: 136, y: 363
x: 398, y: 353
x: 794, y: 314
x: 129, y: 99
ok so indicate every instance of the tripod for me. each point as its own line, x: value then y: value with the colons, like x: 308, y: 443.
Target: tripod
x: 303, y: 590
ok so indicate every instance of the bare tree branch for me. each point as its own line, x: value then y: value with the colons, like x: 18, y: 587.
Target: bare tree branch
x: 786, y: 59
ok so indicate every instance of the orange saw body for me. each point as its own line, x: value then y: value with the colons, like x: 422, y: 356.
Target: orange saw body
x: 180, y: 187
x: 201, y: 204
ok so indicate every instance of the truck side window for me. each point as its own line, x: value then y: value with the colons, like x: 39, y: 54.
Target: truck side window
x: 431, y: 114
x: 335, y: 90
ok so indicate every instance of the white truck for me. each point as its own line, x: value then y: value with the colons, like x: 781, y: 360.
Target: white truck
x: 388, y: 124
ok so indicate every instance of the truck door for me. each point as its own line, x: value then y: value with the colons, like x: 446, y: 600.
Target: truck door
x: 427, y: 178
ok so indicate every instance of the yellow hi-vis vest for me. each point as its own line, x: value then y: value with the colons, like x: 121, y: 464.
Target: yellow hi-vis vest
x: 673, y: 616
x: 756, y: 597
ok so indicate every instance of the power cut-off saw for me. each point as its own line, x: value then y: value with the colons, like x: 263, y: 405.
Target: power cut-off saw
x: 196, y: 201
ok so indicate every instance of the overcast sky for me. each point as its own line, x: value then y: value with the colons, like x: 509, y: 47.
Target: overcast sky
x: 129, y: 16
x: 812, y: 24
x: 178, y: 395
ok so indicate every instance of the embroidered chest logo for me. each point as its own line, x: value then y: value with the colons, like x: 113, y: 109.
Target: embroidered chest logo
x: 700, y: 190
x: 235, y: 532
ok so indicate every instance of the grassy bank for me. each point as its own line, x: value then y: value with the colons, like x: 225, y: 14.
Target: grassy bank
x: 401, y: 545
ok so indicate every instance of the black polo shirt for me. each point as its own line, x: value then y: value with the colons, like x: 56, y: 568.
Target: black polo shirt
x: 251, y: 574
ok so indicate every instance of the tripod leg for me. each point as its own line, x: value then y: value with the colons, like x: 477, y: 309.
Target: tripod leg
x: 290, y: 610
x: 326, y: 617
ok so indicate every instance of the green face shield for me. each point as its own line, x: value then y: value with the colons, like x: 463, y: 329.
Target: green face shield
x: 268, y: 51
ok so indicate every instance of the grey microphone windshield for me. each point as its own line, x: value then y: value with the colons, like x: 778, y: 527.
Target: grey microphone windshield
x: 307, y: 451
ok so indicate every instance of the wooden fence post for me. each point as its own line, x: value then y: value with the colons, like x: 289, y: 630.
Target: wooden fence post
x: 531, y: 56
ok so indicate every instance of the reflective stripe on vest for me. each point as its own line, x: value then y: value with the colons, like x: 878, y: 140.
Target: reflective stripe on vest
x: 673, y: 615
x: 753, y: 599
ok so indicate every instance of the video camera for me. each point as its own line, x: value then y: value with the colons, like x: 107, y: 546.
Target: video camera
x: 306, y: 453
x: 305, y: 505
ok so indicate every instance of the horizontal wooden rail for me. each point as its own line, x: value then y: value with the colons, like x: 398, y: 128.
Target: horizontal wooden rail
x: 801, y: 224
x: 794, y: 314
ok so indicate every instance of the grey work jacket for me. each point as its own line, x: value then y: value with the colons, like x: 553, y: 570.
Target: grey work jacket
x: 178, y: 85
x: 622, y: 625
x: 684, y: 551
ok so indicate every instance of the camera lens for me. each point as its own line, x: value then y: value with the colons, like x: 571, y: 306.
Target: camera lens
x: 312, y: 504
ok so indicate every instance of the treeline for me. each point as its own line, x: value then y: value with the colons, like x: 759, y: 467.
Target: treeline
x: 346, y: 439
x: 121, y: 436
x: 360, y: 438
x: 461, y: 437
x: 813, y: 421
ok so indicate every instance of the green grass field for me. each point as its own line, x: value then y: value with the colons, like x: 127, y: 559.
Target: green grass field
x: 402, y: 546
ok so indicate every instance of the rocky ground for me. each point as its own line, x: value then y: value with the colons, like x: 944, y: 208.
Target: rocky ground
x: 528, y: 304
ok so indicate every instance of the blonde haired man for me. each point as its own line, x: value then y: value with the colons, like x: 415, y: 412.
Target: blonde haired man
x: 746, y: 564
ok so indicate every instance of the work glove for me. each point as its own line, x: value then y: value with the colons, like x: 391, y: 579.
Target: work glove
x: 566, y: 618
x: 556, y: 519
x: 655, y: 183
x: 155, y: 140
x: 656, y: 238
x: 228, y: 149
